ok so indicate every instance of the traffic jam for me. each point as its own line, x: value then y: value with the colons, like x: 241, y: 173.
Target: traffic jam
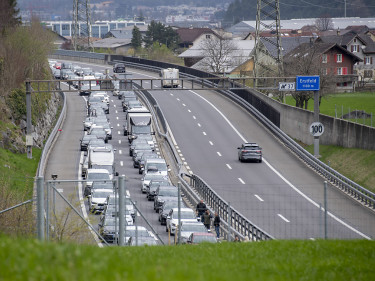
x: 102, y: 157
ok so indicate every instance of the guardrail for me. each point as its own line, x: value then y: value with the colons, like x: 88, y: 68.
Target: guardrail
x: 237, y: 221
x: 51, y: 138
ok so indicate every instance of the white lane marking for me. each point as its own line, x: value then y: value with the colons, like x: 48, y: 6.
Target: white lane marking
x: 182, y: 158
x: 117, y: 117
x: 120, y: 151
x: 189, y: 110
x: 81, y: 199
x: 183, y: 104
x: 127, y: 193
x: 258, y: 197
x: 116, y: 111
x: 218, y: 153
x: 119, y: 141
x: 185, y: 163
x: 278, y: 174
x: 114, y: 105
x: 194, y: 117
x: 170, y: 93
x: 118, y: 125
x: 199, y: 125
x: 241, y: 180
x: 281, y: 216
x: 229, y: 167
x: 178, y: 99
x: 211, y: 143
x: 179, y: 151
x: 60, y: 190
x: 119, y: 132
x: 121, y: 163
x: 204, y: 133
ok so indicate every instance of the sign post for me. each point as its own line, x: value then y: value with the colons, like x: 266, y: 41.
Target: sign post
x: 311, y: 83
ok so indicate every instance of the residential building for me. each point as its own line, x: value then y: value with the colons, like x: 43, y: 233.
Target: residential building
x: 191, y: 36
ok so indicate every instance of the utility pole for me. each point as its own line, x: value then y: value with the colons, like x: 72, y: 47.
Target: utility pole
x: 81, y: 24
x: 267, y: 20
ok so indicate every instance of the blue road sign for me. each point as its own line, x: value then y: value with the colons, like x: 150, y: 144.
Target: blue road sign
x: 308, y: 83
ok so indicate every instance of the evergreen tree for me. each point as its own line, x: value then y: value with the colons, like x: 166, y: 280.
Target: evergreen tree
x: 158, y: 32
x: 8, y: 15
x: 137, y: 38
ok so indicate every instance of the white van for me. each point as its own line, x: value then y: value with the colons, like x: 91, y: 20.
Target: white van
x: 156, y: 166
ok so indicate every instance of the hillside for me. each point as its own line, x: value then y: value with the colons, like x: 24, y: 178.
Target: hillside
x: 292, y: 9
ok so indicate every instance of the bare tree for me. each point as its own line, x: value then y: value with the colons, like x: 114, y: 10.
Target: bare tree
x: 217, y: 53
x: 307, y: 60
x: 324, y: 23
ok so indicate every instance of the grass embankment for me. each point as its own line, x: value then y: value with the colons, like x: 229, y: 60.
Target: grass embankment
x: 343, y: 104
x: 271, y: 260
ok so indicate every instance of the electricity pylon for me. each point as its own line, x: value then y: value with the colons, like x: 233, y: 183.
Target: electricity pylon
x: 81, y: 25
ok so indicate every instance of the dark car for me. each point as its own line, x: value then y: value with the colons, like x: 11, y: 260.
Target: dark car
x: 100, y: 134
x: 127, y: 95
x: 119, y: 68
x: 250, y: 151
x: 153, y: 186
x: 166, y: 207
x: 162, y: 193
x: 86, y: 140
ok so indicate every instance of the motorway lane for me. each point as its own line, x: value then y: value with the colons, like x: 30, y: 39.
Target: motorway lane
x: 252, y: 189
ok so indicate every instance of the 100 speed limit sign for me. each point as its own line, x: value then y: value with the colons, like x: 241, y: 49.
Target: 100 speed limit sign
x: 316, y: 129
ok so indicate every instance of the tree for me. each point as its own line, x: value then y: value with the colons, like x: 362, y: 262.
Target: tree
x: 158, y: 32
x: 324, y: 23
x: 307, y: 60
x: 137, y: 38
x: 217, y: 53
x: 8, y: 15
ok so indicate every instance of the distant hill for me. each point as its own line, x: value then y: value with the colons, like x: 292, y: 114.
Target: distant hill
x: 292, y: 9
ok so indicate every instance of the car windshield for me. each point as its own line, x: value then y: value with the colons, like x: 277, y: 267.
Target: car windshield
x: 168, y: 192
x: 186, y: 215
x: 141, y: 129
x: 101, y: 194
x: 97, y: 176
x: 204, y: 238
x: 193, y: 227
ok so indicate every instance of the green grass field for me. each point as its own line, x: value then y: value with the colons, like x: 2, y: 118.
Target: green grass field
x: 343, y: 103
x: 17, y: 171
x: 271, y: 260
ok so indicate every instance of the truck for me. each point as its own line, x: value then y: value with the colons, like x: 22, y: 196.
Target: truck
x: 138, y: 122
x: 170, y: 77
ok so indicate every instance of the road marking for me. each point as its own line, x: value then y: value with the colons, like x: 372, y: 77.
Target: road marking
x: 218, y: 153
x: 241, y: 180
x: 120, y: 151
x: 183, y: 104
x: 199, y: 125
x: 194, y: 117
x: 281, y: 216
x: 179, y: 151
x: 178, y: 99
x: 278, y: 174
x: 118, y: 125
x: 211, y: 143
x: 229, y: 167
x: 117, y: 117
x: 258, y: 197
x: 127, y: 192
x: 114, y: 105
x: 204, y: 133
x: 116, y: 111
x: 119, y: 132
x: 182, y: 158
x: 189, y: 110
x: 121, y: 163
x: 119, y: 141
x: 60, y: 190
x: 170, y: 93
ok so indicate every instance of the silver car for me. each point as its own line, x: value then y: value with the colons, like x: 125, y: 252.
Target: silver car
x: 250, y: 151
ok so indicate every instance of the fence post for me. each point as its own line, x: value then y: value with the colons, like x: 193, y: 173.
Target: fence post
x: 40, y: 207
x: 122, y: 210
x: 29, y: 128
x: 229, y: 223
x: 325, y: 210
x: 179, y: 213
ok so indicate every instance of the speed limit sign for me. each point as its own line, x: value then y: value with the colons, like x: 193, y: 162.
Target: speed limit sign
x: 316, y: 129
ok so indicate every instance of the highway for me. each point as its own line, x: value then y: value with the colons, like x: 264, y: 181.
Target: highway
x: 280, y: 195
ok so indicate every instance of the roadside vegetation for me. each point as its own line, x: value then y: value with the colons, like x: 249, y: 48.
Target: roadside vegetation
x: 268, y: 260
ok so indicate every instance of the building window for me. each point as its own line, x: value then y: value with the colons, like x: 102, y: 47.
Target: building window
x: 367, y: 74
x: 341, y: 71
x: 339, y: 58
x: 324, y: 58
x: 355, y: 48
x: 208, y: 36
x: 368, y: 60
x: 325, y: 71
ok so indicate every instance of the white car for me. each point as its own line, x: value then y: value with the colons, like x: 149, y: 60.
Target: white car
x: 98, y: 199
x: 149, y: 177
x: 187, y: 215
x: 187, y: 228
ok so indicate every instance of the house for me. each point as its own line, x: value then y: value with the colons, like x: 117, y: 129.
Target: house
x: 360, y: 45
x: 117, y: 46
x: 236, y: 61
x: 126, y: 32
x: 190, y: 36
x: 327, y: 59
